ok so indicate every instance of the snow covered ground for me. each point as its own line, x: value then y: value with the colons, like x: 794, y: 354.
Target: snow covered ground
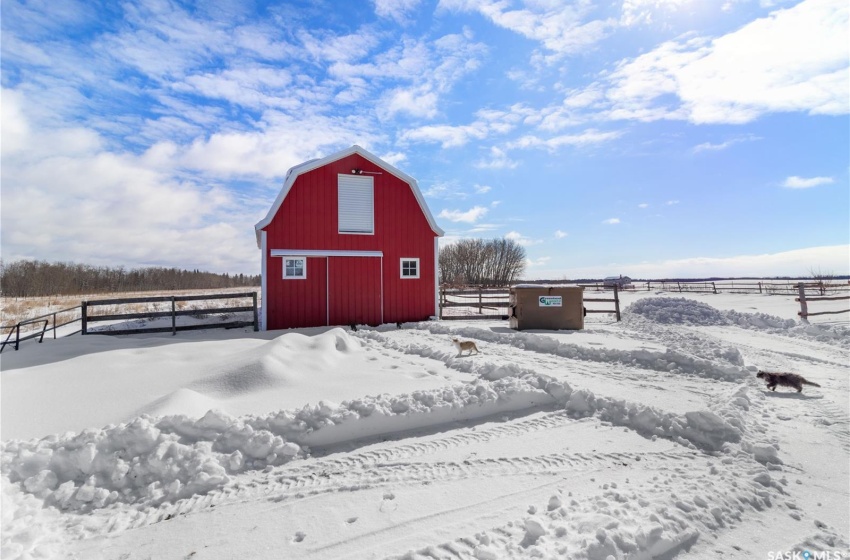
x: 648, y: 438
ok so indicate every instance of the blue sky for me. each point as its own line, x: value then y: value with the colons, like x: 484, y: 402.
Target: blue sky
x: 652, y: 138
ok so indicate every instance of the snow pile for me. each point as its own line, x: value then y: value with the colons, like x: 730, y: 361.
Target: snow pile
x: 704, y: 429
x: 149, y: 461
x: 329, y: 423
x: 284, y: 361
x: 683, y: 311
x: 29, y: 529
x: 838, y: 335
x: 142, y: 461
x: 758, y: 320
x: 677, y: 311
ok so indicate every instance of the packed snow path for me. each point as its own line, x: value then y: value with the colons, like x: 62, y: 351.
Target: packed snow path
x: 649, y: 438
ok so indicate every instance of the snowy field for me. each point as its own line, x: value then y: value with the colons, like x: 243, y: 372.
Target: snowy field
x: 648, y: 438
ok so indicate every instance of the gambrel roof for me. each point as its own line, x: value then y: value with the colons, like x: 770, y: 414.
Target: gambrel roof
x: 307, y: 166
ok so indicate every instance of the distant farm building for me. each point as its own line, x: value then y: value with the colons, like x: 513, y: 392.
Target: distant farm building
x: 619, y: 281
x: 349, y: 240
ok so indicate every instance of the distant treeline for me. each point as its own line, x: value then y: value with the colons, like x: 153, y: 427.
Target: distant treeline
x: 39, y: 278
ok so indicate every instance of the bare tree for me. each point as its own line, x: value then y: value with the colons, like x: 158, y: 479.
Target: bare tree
x: 824, y: 279
x: 498, y: 262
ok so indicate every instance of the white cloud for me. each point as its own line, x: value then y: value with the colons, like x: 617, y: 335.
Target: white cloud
x: 643, y: 11
x: 284, y: 141
x: 469, y: 216
x: 497, y: 159
x: 446, y: 190
x: 394, y: 158
x: 671, y: 202
x: 398, y: 10
x: 562, y: 28
x: 448, y: 136
x: 586, y: 138
x: 429, y: 70
x: 794, y: 60
x: 798, y: 262
x: 560, y: 234
x: 481, y: 189
x: 540, y: 261
x: 643, y: 205
x: 484, y: 228
x: 416, y: 102
x: 487, y: 123
x: 795, y: 182
x: 172, y: 220
x: 256, y: 87
x: 709, y: 147
x: 522, y: 240
x: 611, y: 221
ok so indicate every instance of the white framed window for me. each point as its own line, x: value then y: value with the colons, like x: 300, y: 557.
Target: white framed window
x: 356, y: 197
x: 409, y: 268
x: 294, y: 268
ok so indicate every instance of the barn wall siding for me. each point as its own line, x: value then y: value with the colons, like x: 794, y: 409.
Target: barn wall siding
x: 308, y: 220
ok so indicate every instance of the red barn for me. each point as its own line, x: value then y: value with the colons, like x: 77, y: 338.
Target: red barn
x: 349, y: 239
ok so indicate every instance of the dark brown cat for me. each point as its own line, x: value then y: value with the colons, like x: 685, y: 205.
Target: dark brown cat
x: 785, y: 379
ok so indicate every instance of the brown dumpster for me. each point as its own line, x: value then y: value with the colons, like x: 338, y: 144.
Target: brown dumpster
x: 546, y: 307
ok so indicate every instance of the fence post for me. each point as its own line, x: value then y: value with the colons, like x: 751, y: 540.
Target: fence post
x: 17, y: 336
x: 714, y: 286
x: 256, y: 316
x: 54, y: 326
x: 648, y: 286
x: 84, y: 306
x: 759, y: 287
x: 617, y: 302
x: 804, y: 310
x: 480, y: 308
x: 680, y: 286
x: 173, y: 318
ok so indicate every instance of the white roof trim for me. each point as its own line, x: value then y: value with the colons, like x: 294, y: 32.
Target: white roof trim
x: 297, y: 170
x: 315, y: 253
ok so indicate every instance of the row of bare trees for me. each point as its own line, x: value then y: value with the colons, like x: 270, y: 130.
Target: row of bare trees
x: 495, y: 262
x: 40, y: 278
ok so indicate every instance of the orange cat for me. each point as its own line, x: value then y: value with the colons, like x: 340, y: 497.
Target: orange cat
x: 463, y: 345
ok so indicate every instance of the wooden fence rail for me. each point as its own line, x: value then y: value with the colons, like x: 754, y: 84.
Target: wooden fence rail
x: 493, y: 303
x: 88, y: 317
x: 615, y: 300
x: 803, y: 300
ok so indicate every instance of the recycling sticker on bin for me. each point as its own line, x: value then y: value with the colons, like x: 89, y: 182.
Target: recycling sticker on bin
x: 550, y: 301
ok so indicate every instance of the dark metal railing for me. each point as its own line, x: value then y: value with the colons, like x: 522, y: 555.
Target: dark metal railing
x: 38, y: 333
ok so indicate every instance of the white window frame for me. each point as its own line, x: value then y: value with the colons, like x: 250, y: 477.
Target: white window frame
x: 303, y: 275
x: 401, y: 268
x: 366, y: 188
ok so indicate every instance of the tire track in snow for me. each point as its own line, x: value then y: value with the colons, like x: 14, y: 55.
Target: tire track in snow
x: 658, y: 365
x: 302, y: 470
x: 807, y: 351
x: 426, y: 344
x: 283, y: 487
x: 832, y: 416
x: 387, y: 465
